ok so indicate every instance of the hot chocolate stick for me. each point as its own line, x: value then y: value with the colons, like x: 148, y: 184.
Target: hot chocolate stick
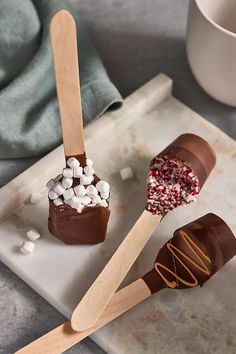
x: 65, y: 57
x: 195, y: 253
x: 74, y: 218
x: 175, y: 178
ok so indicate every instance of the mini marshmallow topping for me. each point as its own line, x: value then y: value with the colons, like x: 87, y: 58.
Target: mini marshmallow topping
x: 68, y: 172
x: 67, y: 191
x: 67, y: 182
x: 73, y: 163
x: 171, y: 183
x: 52, y: 195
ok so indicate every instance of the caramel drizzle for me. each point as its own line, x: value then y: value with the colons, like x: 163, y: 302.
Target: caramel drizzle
x: 200, y: 255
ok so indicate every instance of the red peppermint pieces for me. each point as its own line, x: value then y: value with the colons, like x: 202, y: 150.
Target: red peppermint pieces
x: 171, y: 183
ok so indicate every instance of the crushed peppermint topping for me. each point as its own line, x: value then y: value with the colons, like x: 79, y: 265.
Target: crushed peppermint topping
x: 171, y: 183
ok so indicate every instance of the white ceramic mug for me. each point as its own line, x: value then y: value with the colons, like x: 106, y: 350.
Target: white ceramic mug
x: 211, y: 47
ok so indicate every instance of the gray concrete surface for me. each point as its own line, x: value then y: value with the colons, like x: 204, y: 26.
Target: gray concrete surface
x: 137, y: 39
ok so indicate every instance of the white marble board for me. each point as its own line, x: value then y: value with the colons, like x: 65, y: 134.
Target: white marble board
x: 193, y: 321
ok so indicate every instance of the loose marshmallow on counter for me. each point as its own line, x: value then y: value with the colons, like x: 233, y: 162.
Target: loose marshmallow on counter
x: 68, y: 194
x: 58, y: 201
x: 27, y: 247
x: 105, y: 195
x: 103, y: 186
x: 67, y: 182
x: 68, y: 172
x: 59, y: 189
x: 89, y: 171
x: 89, y: 162
x: 51, y: 184
x: 58, y: 177
x: 80, y: 191
x: 126, y: 173
x: 33, y: 234
x: 78, y: 172
x: 73, y: 163
x: 86, y: 200
x: 91, y: 191
x: 86, y: 180
x: 52, y: 195
x: 35, y: 198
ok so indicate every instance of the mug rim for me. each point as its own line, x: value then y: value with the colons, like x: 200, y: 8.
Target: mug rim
x: 213, y: 23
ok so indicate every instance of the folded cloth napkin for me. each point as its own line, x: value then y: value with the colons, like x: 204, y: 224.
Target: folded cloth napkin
x: 29, y: 117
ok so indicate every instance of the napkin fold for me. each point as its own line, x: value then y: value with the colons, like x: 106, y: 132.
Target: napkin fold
x: 29, y: 117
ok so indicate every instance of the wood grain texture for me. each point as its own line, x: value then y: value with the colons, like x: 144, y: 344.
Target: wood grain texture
x: 99, y: 294
x: 65, y: 57
x: 64, y: 337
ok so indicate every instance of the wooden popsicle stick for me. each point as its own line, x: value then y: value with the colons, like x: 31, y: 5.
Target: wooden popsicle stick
x: 101, y: 291
x: 65, y: 57
x: 63, y: 337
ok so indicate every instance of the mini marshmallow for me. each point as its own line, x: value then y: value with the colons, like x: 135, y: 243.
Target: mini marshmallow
x: 67, y: 182
x: 52, y: 195
x: 89, y: 171
x: 86, y: 180
x: 68, y: 194
x: 75, y: 202
x: 59, y: 189
x: 58, y: 177
x: 80, y: 191
x: 68, y: 201
x: 104, y: 203
x: 51, y: 184
x: 91, y: 205
x: 68, y: 172
x: 27, y: 247
x: 80, y: 208
x: 33, y: 234
x: 35, y: 198
x: 103, y: 186
x: 126, y: 173
x: 78, y: 172
x: 85, y: 200
x: 96, y: 200
x: 58, y: 201
x: 89, y: 162
x: 105, y: 195
x: 91, y: 191
x: 73, y: 163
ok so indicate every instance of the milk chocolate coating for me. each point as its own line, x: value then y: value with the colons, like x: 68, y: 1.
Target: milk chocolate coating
x: 73, y: 228
x: 215, y: 239
x: 195, y: 152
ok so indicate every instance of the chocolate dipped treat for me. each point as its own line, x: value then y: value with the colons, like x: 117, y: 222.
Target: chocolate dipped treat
x: 176, y: 176
x: 194, y: 254
x: 78, y: 204
x: 178, y: 173
x: 78, y: 199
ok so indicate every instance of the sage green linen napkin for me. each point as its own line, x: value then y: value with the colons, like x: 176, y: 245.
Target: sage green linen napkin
x: 29, y: 117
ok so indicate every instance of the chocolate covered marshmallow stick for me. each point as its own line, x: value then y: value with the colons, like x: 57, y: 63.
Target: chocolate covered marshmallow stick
x: 194, y: 254
x: 78, y: 199
x: 176, y: 177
